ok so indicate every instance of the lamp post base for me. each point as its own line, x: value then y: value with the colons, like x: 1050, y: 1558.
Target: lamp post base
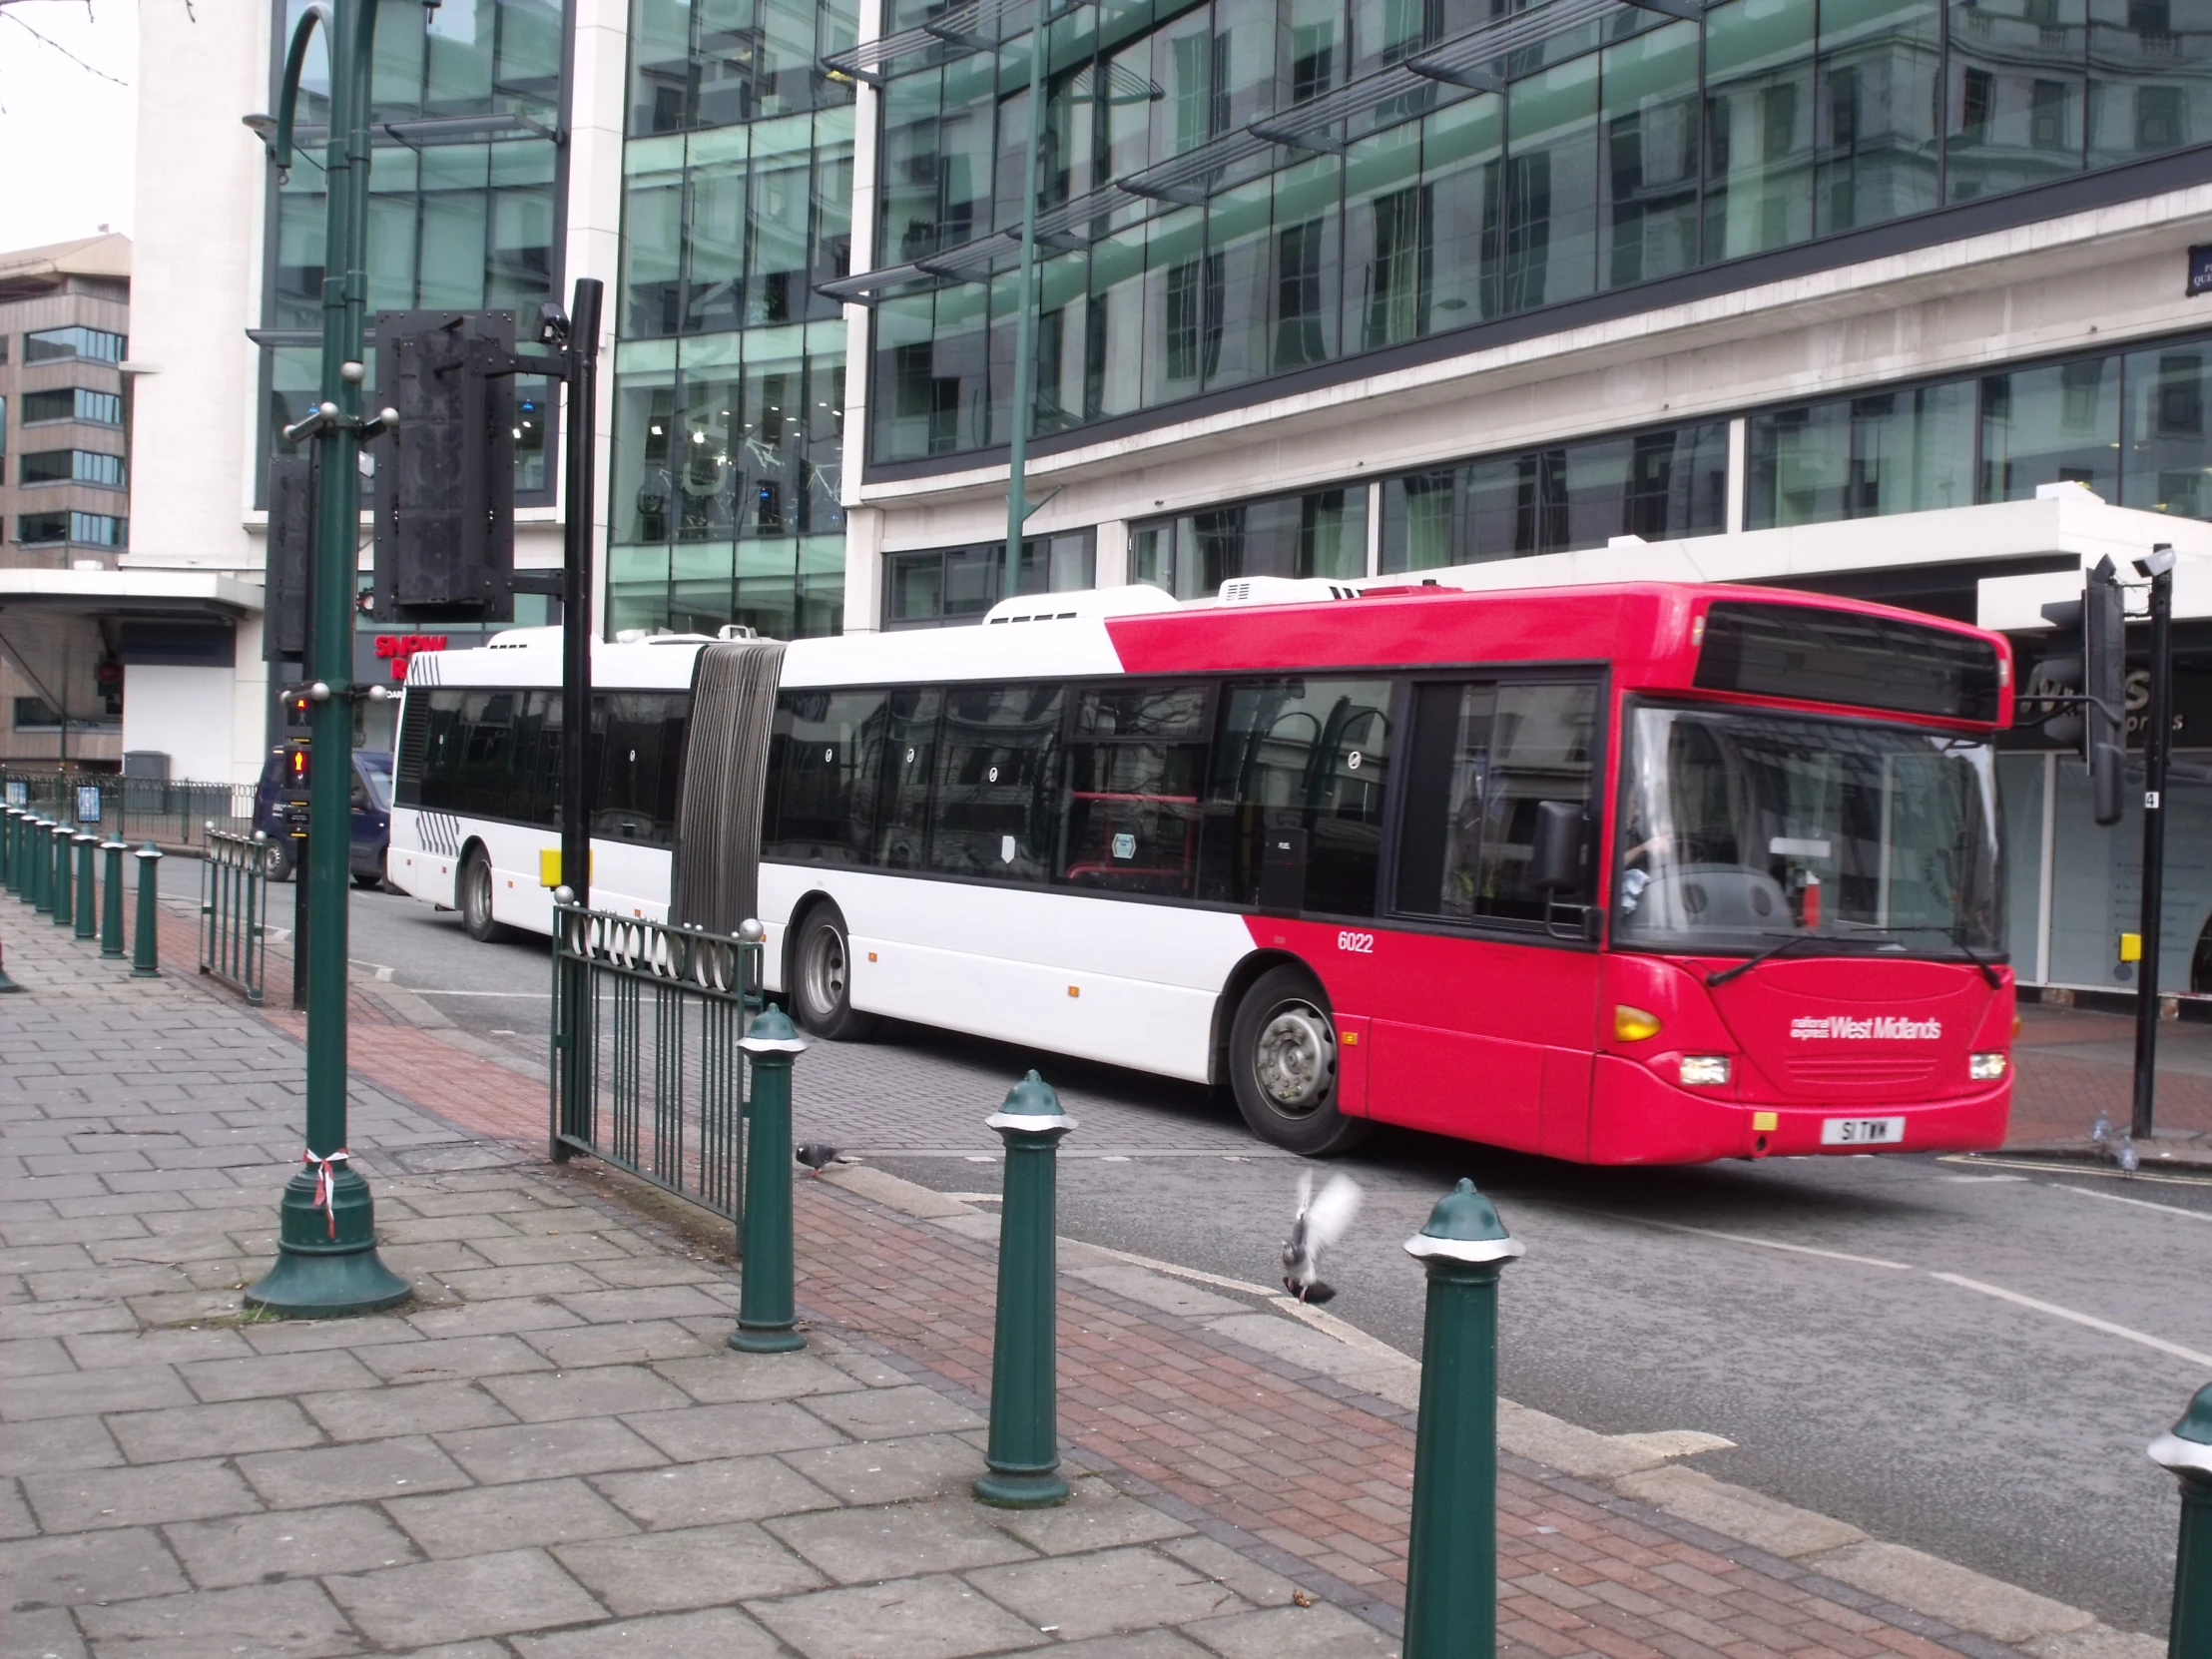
x: 780, y: 1338
x: 326, y: 1261
x: 1021, y: 1488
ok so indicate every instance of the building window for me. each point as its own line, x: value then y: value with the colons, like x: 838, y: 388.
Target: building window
x: 56, y: 528
x: 958, y: 584
x: 54, y: 344
x: 1320, y: 533
x: 62, y: 466
x: 35, y: 713
x: 1659, y: 486
x: 93, y: 408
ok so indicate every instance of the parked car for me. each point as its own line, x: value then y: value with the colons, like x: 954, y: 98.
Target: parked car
x: 284, y: 789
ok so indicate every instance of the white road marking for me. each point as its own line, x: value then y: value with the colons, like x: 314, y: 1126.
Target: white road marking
x: 424, y: 990
x: 2139, y: 1202
x: 2089, y: 1320
x: 1981, y: 1180
x: 1747, y: 1239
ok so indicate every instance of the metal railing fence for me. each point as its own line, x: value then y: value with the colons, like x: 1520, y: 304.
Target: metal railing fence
x: 234, y: 907
x: 647, y: 1074
x: 134, y: 808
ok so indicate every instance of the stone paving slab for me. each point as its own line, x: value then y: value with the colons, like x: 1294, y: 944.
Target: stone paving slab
x: 551, y: 1453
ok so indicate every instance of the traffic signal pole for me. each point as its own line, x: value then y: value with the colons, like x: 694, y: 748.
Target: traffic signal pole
x: 326, y: 1262
x: 2157, y: 747
x: 575, y: 586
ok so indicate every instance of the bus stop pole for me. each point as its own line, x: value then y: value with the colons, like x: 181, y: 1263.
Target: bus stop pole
x: 577, y: 630
x: 2157, y: 743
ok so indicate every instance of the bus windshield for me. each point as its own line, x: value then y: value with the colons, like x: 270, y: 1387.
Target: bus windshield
x: 1741, y: 829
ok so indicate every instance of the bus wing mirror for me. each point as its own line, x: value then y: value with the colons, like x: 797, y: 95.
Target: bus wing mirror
x: 1557, y: 858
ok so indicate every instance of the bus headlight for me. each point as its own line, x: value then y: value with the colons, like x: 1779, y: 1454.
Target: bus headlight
x: 1633, y: 1025
x: 1985, y: 1069
x: 1704, y: 1070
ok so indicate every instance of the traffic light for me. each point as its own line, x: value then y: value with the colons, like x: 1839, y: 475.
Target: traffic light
x: 444, y: 484
x: 285, y: 625
x: 2084, y: 678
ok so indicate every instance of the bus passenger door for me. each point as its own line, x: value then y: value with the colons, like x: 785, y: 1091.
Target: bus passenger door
x: 1489, y: 1035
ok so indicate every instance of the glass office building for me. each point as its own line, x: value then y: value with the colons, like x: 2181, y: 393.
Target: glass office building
x: 729, y: 370
x: 468, y: 187
x: 1242, y: 193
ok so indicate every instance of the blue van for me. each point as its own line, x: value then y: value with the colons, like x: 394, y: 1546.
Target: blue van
x: 371, y: 816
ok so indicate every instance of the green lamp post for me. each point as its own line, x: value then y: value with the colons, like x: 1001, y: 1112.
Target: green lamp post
x: 1451, y: 1556
x: 1024, y: 1447
x: 326, y: 1262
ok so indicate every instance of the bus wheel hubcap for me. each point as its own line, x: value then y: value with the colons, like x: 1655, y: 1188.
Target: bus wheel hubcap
x: 1294, y: 1059
x: 826, y: 971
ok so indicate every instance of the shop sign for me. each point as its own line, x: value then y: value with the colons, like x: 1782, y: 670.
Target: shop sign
x: 2201, y: 269
x: 400, y: 649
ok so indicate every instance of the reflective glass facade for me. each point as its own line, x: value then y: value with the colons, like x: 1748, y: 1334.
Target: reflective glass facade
x: 465, y: 190
x: 2128, y: 424
x: 730, y: 366
x: 1315, y: 180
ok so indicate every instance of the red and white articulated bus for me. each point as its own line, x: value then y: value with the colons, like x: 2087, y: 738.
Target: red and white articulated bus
x: 1644, y: 874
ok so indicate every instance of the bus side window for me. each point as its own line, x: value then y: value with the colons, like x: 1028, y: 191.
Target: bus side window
x: 1309, y: 753
x: 1483, y: 758
x: 1134, y: 767
x: 638, y: 736
x: 909, y: 762
x: 430, y: 743
x: 999, y: 786
x: 826, y: 754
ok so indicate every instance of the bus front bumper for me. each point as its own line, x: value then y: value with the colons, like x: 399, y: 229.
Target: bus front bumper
x: 1637, y: 1118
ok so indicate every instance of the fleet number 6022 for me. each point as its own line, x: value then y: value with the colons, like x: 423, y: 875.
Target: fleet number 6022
x: 1359, y: 944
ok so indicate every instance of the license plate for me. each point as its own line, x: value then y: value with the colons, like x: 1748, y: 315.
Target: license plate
x: 1862, y: 1131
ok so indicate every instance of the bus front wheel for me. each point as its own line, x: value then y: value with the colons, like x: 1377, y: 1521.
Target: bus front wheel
x: 821, y: 979
x: 1283, y: 1066
x: 475, y: 896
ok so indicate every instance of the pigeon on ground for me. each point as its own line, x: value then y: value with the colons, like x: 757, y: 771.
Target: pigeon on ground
x: 1321, y: 1222
x: 817, y: 1155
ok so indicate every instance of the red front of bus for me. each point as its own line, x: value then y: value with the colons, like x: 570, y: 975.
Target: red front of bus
x: 1805, y: 938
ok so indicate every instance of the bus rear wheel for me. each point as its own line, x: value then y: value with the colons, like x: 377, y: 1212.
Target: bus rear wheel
x: 821, y: 978
x: 1283, y: 1066
x: 475, y: 897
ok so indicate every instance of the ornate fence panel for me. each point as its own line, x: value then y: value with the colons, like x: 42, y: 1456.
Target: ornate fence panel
x: 234, y: 903
x: 647, y: 1072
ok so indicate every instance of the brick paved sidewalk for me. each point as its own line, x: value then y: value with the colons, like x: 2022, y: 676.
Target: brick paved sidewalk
x: 552, y: 1453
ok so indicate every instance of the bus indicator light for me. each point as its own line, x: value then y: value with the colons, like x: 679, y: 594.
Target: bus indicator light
x: 1633, y: 1025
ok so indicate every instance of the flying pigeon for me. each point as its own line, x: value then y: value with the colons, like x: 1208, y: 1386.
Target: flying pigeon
x: 818, y: 1155
x: 1321, y: 1222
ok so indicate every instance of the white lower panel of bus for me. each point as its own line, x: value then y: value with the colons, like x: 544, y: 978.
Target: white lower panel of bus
x: 1128, y: 984
x: 426, y: 850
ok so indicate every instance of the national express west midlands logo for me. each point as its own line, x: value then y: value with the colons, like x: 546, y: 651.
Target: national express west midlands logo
x: 1843, y: 1027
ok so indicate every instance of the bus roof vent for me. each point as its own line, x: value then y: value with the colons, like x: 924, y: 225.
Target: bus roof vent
x: 1135, y: 600
x: 1283, y: 590
x: 521, y: 639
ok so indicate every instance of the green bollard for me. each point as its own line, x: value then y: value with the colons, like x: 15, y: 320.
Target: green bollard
x: 768, y: 1313
x: 1024, y: 1449
x: 111, y: 900
x: 64, y: 907
x: 38, y: 863
x: 2185, y: 1452
x: 143, y: 941
x: 1451, y: 1556
x: 10, y: 864
x: 87, y: 926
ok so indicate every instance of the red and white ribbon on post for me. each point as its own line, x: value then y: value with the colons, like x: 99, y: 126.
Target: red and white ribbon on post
x: 325, y: 1182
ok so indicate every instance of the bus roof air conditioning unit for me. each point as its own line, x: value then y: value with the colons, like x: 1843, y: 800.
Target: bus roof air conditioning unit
x: 1137, y: 599
x: 1283, y: 590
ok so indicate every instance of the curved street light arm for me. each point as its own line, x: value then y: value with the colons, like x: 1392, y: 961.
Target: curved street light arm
x: 296, y: 61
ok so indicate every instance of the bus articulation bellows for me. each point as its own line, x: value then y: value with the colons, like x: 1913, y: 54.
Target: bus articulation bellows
x: 1644, y: 874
